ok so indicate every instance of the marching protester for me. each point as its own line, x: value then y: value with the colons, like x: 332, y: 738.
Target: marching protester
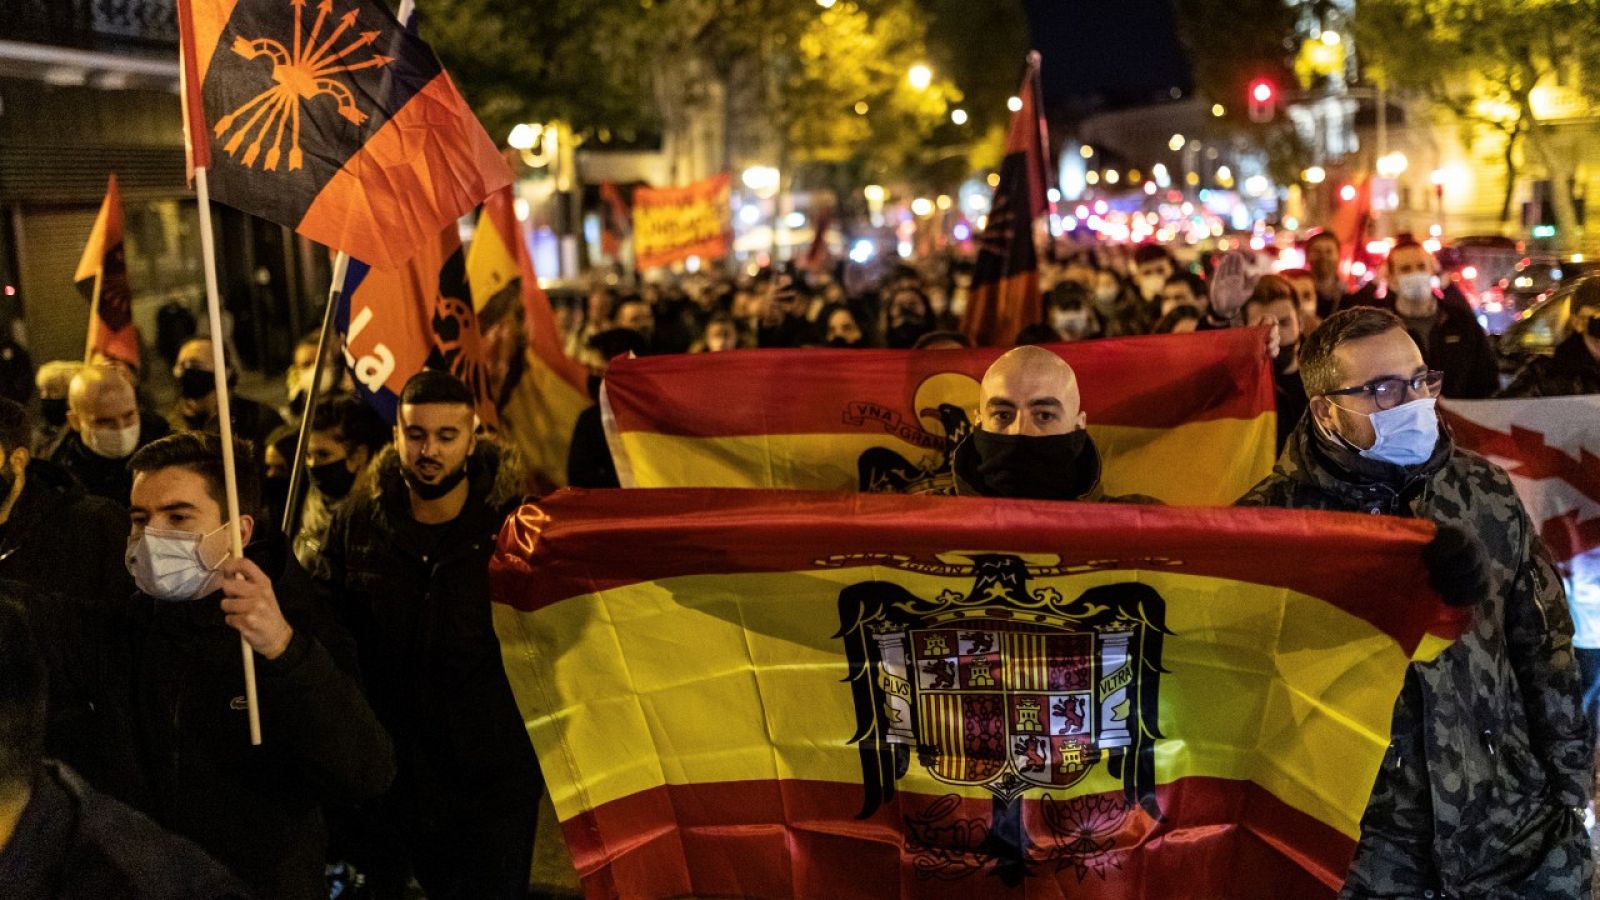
x: 53, y: 382
x: 1325, y: 257
x: 196, y: 406
x: 405, y: 563
x: 1492, y: 759
x: 1575, y: 366
x: 59, y: 837
x: 346, y: 435
x: 1031, y: 441
x: 62, y: 548
x: 105, y: 425
x: 1273, y: 300
x: 589, y: 463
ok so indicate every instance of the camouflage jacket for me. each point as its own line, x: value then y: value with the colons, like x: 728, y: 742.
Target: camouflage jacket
x: 1491, y: 757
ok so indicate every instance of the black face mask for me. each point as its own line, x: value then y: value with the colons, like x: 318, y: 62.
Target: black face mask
x: 1285, y: 358
x: 53, y: 410
x: 194, y: 384
x: 842, y: 343
x: 333, y: 479
x: 904, y: 335
x: 426, y: 491
x: 1029, y: 467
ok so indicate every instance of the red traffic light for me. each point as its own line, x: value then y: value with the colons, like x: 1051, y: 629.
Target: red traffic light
x: 1263, y: 100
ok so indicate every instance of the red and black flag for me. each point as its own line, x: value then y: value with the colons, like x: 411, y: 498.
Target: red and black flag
x: 614, y: 220
x: 328, y: 116
x: 1005, y: 280
x: 103, y: 277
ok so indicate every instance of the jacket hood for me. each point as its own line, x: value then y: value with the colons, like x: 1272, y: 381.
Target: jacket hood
x: 969, y: 482
x: 1311, y: 459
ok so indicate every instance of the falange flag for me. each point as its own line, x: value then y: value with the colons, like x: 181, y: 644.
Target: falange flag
x: 329, y: 117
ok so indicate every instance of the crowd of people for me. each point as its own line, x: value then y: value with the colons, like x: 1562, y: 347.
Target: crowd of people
x: 394, y: 751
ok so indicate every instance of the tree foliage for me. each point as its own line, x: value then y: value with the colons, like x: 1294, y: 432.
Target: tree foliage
x: 1484, y: 60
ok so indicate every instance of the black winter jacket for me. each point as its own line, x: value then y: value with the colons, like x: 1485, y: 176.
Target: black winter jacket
x: 74, y: 844
x: 1571, y: 371
x: 416, y: 598
x: 180, y: 692
x: 61, y: 555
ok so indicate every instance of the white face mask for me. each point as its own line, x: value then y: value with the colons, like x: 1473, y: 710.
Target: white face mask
x: 1406, y: 434
x: 171, y: 565
x: 113, y: 443
x: 1069, y: 323
x: 1414, y: 286
x: 1150, y: 286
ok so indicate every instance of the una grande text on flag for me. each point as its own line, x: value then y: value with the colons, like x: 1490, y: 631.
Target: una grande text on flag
x: 329, y: 117
x: 792, y: 694
x: 1161, y: 409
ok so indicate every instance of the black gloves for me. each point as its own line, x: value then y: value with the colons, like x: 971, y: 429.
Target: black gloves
x: 1458, y: 565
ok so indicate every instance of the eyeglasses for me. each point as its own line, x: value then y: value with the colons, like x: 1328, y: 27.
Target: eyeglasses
x: 1387, y: 393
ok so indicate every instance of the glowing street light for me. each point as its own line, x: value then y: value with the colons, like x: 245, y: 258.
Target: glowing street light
x: 861, y: 107
x: 1086, y: 151
x: 875, y: 193
x: 524, y: 136
x: 920, y: 77
x: 763, y: 180
x: 1314, y: 175
x: 1014, y: 104
x: 958, y: 116
x: 922, y: 206
x: 1392, y: 165
x: 1217, y: 110
x: 1176, y: 143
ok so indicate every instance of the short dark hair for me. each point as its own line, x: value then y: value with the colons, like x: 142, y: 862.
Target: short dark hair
x: 1269, y: 288
x: 936, y: 337
x: 1584, y: 296
x: 1037, y: 333
x: 1169, y: 323
x: 615, y: 342
x: 16, y: 426
x: 1322, y: 235
x: 1150, y: 252
x: 1317, y: 367
x: 624, y: 300
x: 354, y: 423
x: 201, y: 453
x: 435, y: 386
x: 23, y: 687
x: 1197, y: 285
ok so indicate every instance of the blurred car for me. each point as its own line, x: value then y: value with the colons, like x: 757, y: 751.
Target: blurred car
x: 1542, y: 326
x: 1532, y: 281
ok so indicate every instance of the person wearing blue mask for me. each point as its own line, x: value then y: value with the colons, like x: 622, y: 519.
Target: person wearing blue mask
x: 1491, y: 760
x: 171, y: 671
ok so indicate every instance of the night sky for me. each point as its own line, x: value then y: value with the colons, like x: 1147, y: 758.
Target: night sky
x: 1107, y: 53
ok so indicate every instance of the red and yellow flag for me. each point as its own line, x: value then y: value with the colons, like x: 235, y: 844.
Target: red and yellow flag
x: 787, y: 694
x: 103, y: 275
x: 329, y: 117
x: 541, y: 399
x: 396, y: 321
x: 1005, y: 280
x: 1162, y: 410
x: 672, y: 224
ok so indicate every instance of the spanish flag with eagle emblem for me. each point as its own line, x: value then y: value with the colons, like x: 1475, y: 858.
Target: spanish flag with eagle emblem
x: 799, y: 694
x: 1160, y: 409
x: 331, y: 118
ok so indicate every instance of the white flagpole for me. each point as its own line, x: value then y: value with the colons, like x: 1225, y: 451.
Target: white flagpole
x: 208, y: 253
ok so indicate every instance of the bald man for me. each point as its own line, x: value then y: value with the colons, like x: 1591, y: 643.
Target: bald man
x: 1030, y: 441
x: 104, y: 428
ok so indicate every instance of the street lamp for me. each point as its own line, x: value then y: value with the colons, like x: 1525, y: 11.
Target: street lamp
x: 763, y: 180
x: 1086, y: 151
x: 958, y: 116
x: 920, y: 77
x: 1392, y: 165
x: 1314, y: 175
x: 1176, y: 143
x: 1014, y: 104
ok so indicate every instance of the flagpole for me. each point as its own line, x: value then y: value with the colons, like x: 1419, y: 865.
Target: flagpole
x: 208, y: 253
x: 94, y: 312
x: 291, y: 508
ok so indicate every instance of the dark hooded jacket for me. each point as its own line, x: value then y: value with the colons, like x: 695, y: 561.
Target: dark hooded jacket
x: 74, y: 844
x: 416, y: 597
x: 64, y: 548
x: 1491, y: 759
x: 1086, y: 481
x: 176, y: 691
x: 1572, y: 370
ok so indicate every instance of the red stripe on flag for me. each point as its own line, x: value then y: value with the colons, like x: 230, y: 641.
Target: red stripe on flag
x: 196, y: 134
x: 1159, y: 381
x: 792, y: 838
x: 547, y: 549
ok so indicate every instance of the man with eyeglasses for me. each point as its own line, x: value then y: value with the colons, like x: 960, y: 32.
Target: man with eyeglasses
x: 1490, y: 762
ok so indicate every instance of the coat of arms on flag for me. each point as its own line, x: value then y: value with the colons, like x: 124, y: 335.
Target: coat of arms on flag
x: 1003, y: 687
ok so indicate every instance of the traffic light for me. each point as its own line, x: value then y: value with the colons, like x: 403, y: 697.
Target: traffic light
x: 1263, y: 96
